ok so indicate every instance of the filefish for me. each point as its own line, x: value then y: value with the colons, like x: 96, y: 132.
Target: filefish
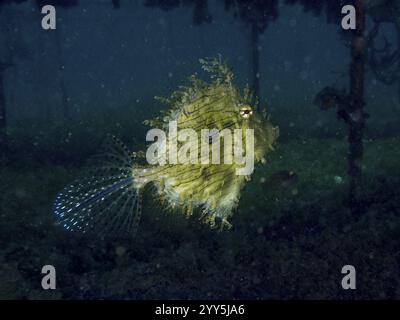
x: 109, y: 198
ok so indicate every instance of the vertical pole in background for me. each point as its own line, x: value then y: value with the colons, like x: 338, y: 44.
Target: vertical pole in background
x: 255, y: 61
x: 396, y: 19
x: 398, y: 49
x: 61, y: 76
x: 356, y: 122
x: 49, y: 23
x: 3, y: 122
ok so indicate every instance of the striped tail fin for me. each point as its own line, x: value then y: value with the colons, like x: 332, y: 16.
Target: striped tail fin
x: 106, y: 201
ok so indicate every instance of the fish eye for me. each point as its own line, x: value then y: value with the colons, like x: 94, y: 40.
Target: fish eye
x: 245, y: 112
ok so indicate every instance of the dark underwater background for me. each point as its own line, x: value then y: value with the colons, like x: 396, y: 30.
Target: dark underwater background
x: 63, y: 91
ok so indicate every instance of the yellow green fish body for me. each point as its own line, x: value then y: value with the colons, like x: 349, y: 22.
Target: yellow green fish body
x: 202, y: 182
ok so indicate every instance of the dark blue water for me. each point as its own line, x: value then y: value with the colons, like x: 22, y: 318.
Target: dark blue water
x: 297, y: 224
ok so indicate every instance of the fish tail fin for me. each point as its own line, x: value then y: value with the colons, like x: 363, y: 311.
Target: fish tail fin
x: 106, y: 202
